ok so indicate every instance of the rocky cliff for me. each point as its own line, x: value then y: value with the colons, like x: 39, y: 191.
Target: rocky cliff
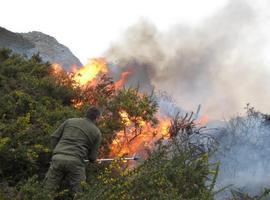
x: 30, y: 43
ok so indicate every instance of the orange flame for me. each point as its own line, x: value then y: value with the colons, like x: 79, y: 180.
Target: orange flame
x: 131, y: 140
x: 122, y: 80
x: 56, y: 69
x: 90, y: 71
x: 202, y: 120
x: 87, y: 74
x: 125, y: 118
x: 77, y: 104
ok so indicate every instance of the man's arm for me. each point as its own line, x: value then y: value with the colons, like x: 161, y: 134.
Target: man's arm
x: 94, y: 150
x: 57, y: 134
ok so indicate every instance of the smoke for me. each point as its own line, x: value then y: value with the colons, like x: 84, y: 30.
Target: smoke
x: 244, y: 154
x: 218, y: 63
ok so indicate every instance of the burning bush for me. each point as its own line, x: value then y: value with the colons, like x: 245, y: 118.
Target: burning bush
x: 178, y: 168
x: 128, y: 115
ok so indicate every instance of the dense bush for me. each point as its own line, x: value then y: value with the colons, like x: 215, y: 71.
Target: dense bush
x: 32, y: 105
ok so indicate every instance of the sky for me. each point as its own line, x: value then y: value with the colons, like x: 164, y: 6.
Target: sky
x: 89, y: 27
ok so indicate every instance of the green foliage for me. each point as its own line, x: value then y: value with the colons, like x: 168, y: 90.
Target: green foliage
x: 32, y: 105
x: 33, y: 190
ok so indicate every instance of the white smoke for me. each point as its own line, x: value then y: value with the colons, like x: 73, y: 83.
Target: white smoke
x: 244, y: 154
x: 218, y: 63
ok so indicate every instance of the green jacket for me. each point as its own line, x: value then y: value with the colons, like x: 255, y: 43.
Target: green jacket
x: 78, y: 137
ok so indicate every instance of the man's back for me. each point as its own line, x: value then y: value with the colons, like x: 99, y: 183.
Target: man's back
x: 78, y: 137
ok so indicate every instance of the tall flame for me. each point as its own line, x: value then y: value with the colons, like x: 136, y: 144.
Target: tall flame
x: 122, y: 80
x: 89, y: 72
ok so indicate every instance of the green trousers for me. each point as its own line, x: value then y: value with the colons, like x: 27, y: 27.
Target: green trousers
x: 68, y: 167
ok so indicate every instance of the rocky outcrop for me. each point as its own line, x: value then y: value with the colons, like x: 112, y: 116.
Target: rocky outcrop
x: 30, y: 43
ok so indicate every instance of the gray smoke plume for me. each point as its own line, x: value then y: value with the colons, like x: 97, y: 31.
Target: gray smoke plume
x: 217, y: 63
x: 244, y: 154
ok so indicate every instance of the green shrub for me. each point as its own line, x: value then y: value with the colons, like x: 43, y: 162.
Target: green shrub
x: 33, y: 190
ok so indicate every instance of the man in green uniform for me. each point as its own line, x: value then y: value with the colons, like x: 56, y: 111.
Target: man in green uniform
x: 76, y: 140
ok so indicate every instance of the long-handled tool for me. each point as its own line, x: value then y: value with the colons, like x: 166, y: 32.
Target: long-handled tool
x: 100, y: 160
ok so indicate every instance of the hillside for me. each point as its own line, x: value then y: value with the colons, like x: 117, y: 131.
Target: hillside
x: 33, y: 42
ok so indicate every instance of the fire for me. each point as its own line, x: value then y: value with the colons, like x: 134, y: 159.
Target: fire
x: 56, y: 69
x: 88, y: 74
x: 130, y: 141
x: 90, y: 71
x: 135, y: 138
x: 164, y: 128
x: 123, y: 77
x: 125, y: 118
x: 77, y: 104
x: 202, y: 120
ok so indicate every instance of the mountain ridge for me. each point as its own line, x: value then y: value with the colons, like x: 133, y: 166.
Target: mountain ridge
x: 34, y: 42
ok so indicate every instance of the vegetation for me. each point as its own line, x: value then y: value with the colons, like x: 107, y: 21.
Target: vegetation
x: 32, y: 106
x: 33, y: 103
x: 176, y: 169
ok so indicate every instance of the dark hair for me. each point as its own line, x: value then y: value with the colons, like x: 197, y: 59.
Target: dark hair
x: 92, y: 113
